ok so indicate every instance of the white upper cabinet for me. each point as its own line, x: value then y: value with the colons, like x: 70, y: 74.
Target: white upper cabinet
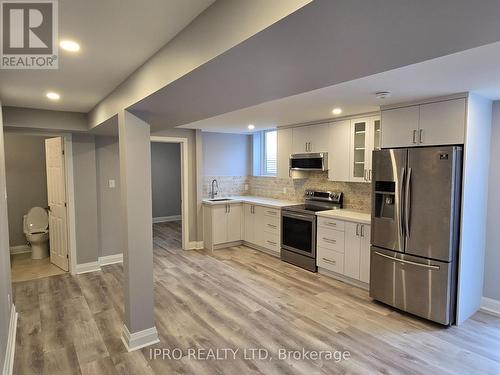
x: 284, y: 151
x: 442, y: 123
x: 365, y: 132
x: 399, y: 127
x: 438, y: 123
x: 312, y: 138
x: 339, y: 153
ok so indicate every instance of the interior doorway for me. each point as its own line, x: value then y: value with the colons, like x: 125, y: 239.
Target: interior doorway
x: 38, y: 173
x: 169, y: 186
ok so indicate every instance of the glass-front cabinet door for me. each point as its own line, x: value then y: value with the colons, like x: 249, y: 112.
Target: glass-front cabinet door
x: 365, y: 137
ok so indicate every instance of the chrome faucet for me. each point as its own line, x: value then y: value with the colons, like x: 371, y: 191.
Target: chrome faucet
x: 213, y: 193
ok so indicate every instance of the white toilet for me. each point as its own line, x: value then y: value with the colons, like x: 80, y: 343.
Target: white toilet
x: 36, y: 230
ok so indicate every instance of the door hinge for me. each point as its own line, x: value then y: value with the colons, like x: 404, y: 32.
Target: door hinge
x: 65, y: 205
x: 63, y: 152
x: 67, y: 256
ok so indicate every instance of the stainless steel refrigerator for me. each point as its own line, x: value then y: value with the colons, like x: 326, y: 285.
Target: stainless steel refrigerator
x: 415, y: 230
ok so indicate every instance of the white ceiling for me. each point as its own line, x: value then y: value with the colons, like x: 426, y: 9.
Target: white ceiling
x: 476, y: 70
x: 116, y: 37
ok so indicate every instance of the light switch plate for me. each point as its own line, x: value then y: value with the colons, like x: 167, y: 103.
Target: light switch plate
x: 246, y: 187
x: 111, y: 184
x: 284, y: 190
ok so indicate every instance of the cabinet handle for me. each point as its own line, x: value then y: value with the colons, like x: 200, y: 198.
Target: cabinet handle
x: 271, y: 213
x: 271, y: 243
x: 420, y: 137
x: 329, y: 240
x: 228, y: 208
x: 271, y: 226
x: 362, y: 230
x: 334, y: 262
x: 357, y: 230
x: 330, y: 223
x: 414, y: 136
x: 369, y: 175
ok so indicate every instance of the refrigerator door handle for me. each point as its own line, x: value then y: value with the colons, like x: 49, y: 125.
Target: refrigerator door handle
x: 430, y: 266
x: 400, y: 205
x: 408, y: 203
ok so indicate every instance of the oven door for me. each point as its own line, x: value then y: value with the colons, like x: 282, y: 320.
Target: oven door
x: 298, y: 233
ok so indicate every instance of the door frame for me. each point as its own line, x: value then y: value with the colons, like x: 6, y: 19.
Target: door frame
x: 183, y: 142
x: 70, y: 188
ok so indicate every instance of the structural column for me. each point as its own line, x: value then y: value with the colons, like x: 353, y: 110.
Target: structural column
x: 137, y: 238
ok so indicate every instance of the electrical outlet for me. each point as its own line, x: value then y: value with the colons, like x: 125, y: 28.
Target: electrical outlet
x: 246, y: 187
x: 112, y: 184
x: 284, y: 190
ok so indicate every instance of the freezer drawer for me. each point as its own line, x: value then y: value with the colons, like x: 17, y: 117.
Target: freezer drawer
x: 416, y: 285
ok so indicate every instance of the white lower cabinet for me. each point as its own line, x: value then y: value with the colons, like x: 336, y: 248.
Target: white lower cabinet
x: 344, y: 248
x: 262, y: 227
x: 222, y: 223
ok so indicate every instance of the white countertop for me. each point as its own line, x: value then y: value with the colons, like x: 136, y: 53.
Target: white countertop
x: 261, y: 201
x: 348, y: 215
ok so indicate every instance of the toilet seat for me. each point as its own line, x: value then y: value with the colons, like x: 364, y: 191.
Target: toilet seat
x: 36, y: 221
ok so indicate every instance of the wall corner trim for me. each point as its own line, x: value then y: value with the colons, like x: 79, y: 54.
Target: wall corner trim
x: 110, y: 259
x: 138, y: 340
x: 8, y: 365
x: 490, y: 306
x: 87, y: 267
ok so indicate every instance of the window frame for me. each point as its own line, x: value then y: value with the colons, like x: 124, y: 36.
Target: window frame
x: 263, y: 169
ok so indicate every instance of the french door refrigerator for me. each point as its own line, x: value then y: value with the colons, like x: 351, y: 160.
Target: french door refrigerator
x: 415, y: 230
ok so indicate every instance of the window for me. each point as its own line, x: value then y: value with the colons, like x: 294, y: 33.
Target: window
x: 270, y: 153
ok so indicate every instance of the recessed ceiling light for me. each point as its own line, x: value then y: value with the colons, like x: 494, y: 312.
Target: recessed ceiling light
x: 251, y: 127
x: 69, y: 45
x: 337, y: 111
x: 53, y: 96
x: 382, y: 94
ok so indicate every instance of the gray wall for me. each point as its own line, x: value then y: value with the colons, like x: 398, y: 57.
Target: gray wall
x: 227, y: 154
x: 5, y: 282
x: 26, y: 180
x: 108, y: 199
x: 492, y: 263
x: 84, y: 179
x: 166, y: 179
x: 29, y: 118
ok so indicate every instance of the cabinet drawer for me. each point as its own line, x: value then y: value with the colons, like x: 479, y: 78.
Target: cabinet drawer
x: 271, y: 242
x: 331, y: 223
x: 271, y: 224
x: 272, y: 212
x: 331, y: 260
x: 331, y: 239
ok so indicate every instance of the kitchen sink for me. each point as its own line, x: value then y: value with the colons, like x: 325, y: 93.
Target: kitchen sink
x: 220, y: 199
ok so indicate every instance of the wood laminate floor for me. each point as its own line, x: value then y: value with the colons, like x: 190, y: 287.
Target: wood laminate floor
x: 236, y: 298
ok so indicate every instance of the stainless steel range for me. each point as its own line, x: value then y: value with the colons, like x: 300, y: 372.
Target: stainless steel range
x: 298, y: 227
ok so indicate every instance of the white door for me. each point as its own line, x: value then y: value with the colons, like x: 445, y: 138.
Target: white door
x: 442, y: 123
x: 234, y: 214
x: 219, y: 223
x: 338, y: 157
x: 352, y: 250
x: 300, y: 139
x: 400, y: 127
x: 319, y: 138
x: 249, y: 223
x: 56, y: 189
x: 364, y: 261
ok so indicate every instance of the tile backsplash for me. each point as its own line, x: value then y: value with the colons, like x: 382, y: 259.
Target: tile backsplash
x: 357, y: 195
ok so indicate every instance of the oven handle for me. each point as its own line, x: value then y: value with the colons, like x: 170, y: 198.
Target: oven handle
x: 298, y: 216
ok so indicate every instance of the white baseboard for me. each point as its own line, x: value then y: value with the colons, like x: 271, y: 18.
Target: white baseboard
x: 20, y: 249
x: 8, y: 365
x: 110, y: 259
x: 138, y: 340
x: 195, y: 245
x: 490, y: 305
x: 87, y: 267
x: 163, y: 219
